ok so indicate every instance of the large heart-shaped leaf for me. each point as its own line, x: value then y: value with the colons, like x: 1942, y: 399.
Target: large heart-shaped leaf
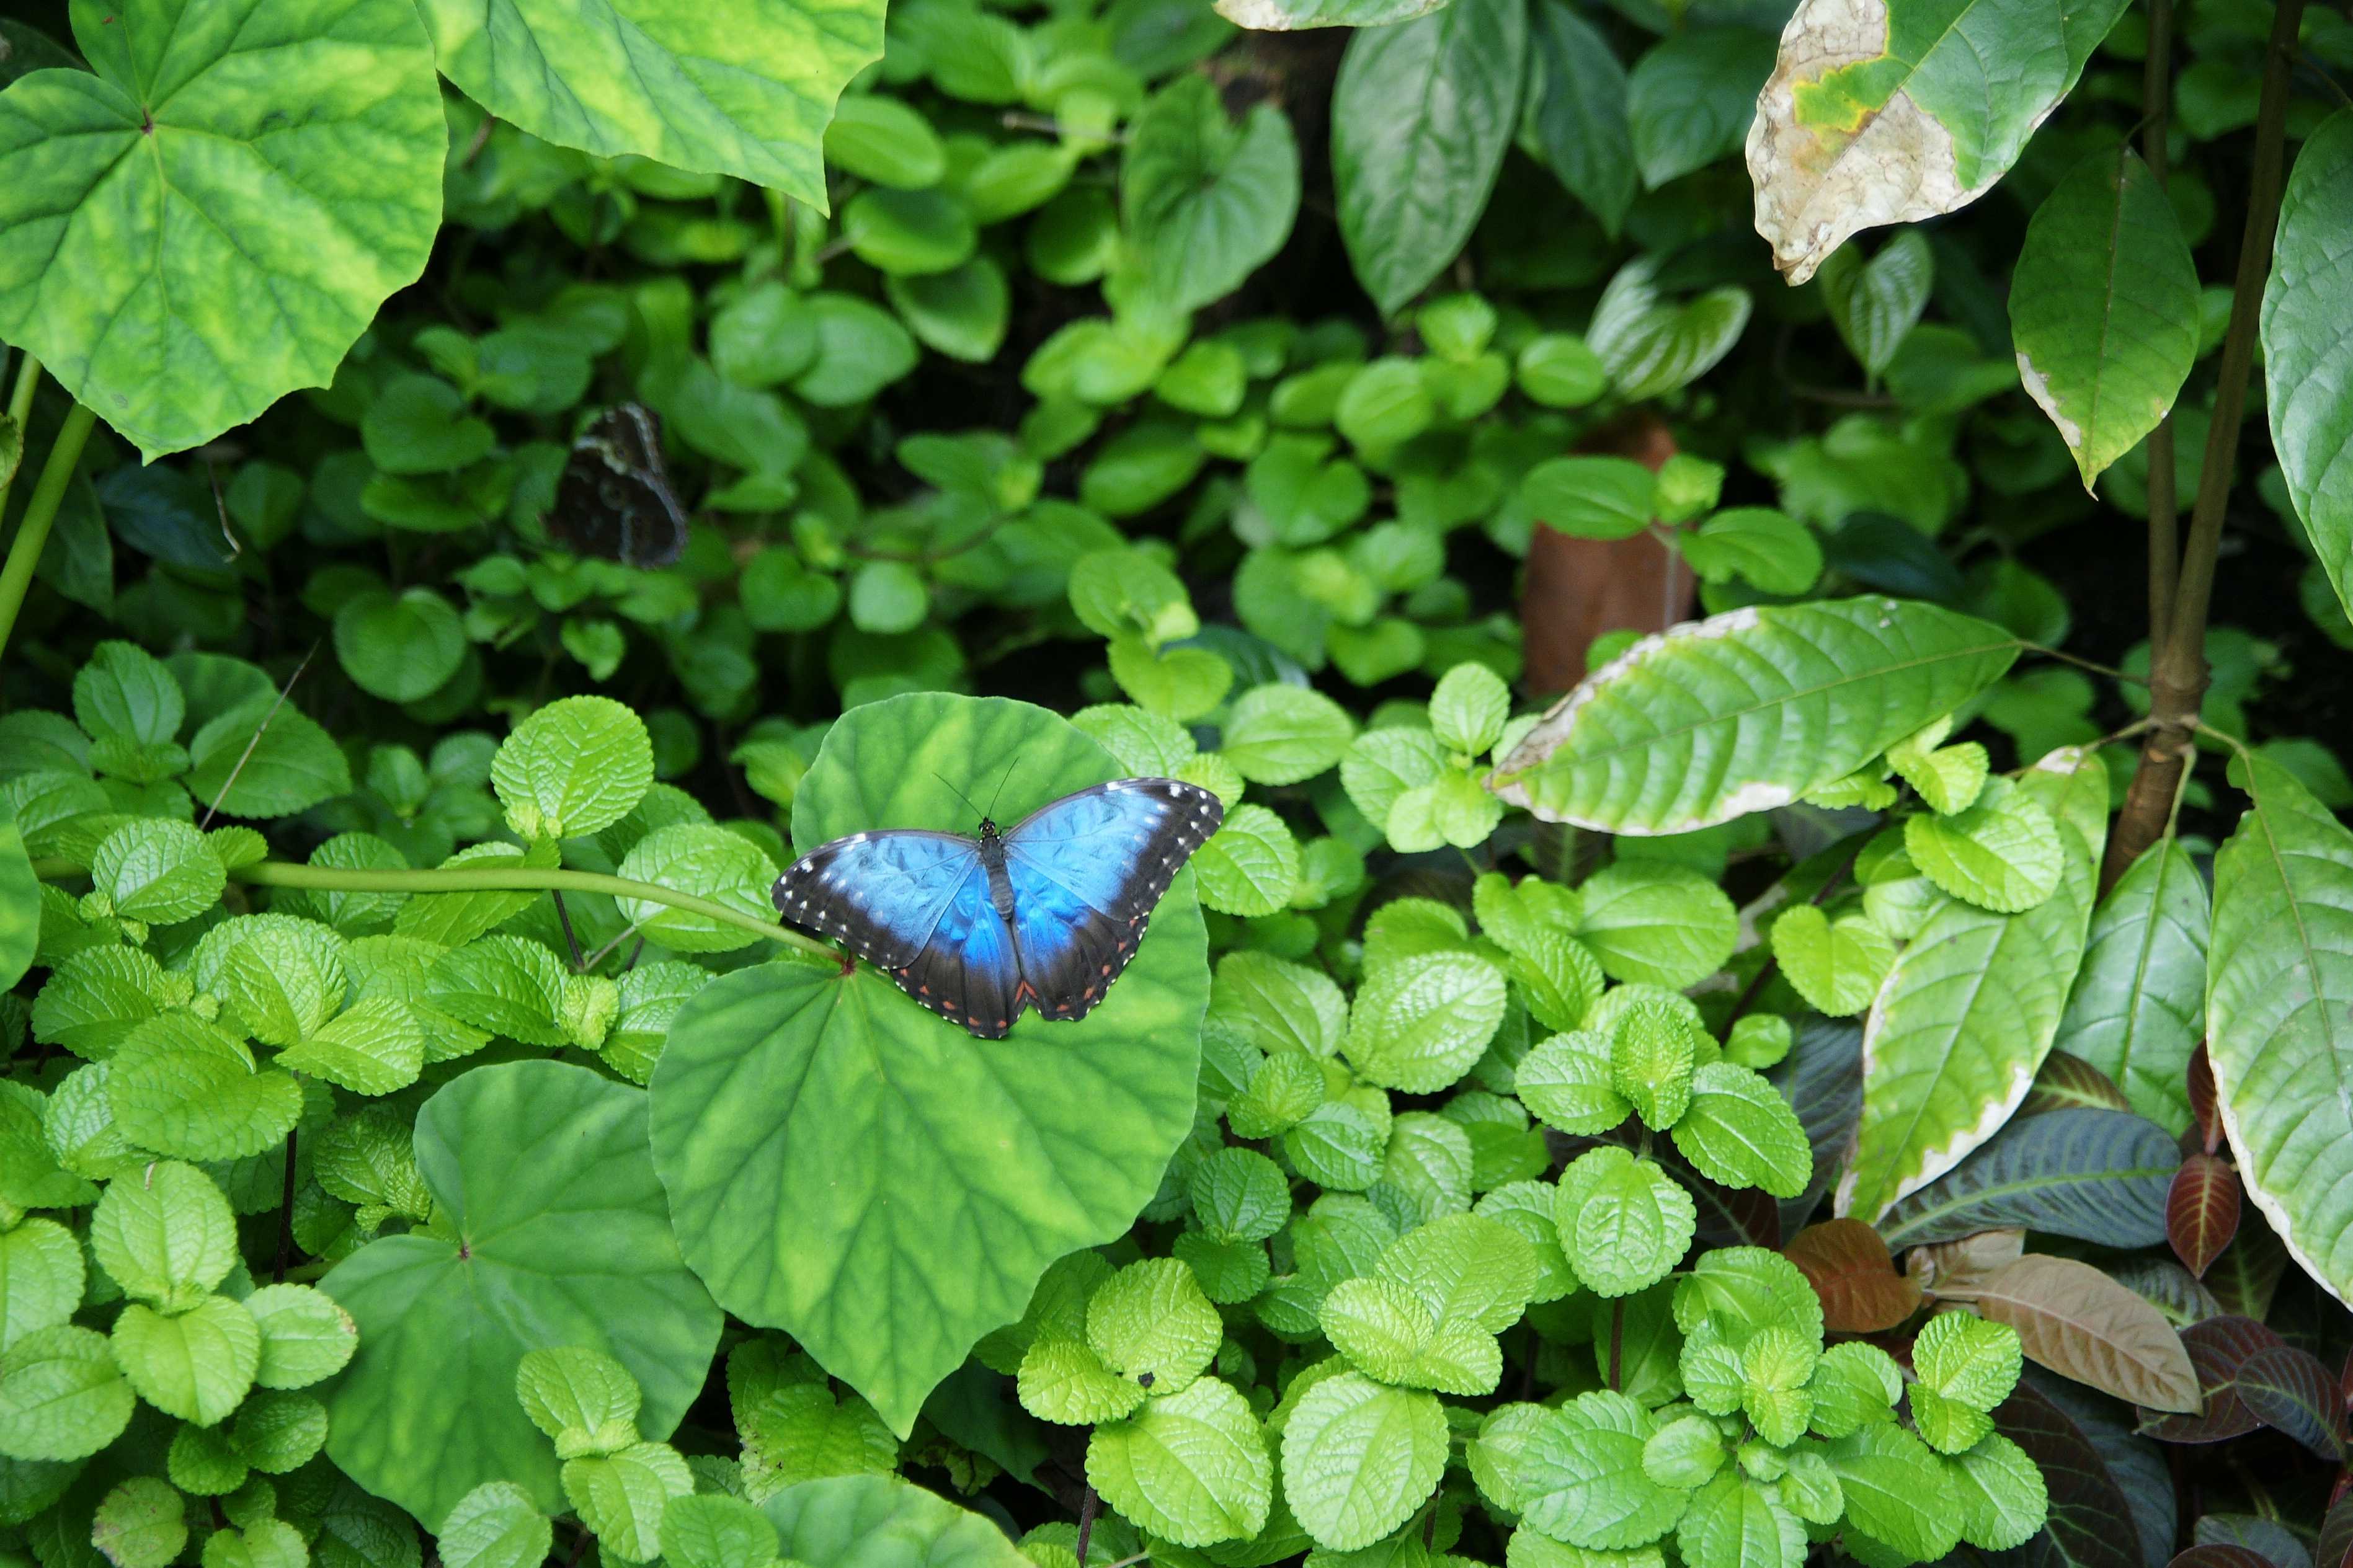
x: 179, y: 250
x: 557, y: 1235
x: 725, y: 87
x: 845, y: 1165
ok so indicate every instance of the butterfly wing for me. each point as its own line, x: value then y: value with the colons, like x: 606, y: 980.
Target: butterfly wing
x: 1087, y: 871
x: 614, y: 497
x: 915, y: 905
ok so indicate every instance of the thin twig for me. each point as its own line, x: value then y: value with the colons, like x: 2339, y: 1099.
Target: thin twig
x: 1088, y: 1502
x: 285, y: 1217
x: 564, y: 918
x: 247, y: 755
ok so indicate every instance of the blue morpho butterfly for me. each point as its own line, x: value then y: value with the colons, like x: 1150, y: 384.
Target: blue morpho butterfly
x: 1045, y: 915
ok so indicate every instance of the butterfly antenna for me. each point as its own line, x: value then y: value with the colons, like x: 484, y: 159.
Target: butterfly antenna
x: 991, y: 812
x: 978, y: 815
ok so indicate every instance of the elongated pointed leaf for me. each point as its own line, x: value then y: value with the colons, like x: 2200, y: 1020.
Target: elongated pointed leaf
x: 2309, y: 380
x: 1879, y: 112
x: 2138, y: 1006
x: 1747, y: 711
x: 1579, y: 113
x: 2104, y: 308
x: 2279, y: 1009
x: 2111, y: 1494
x: 2070, y: 1083
x: 724, y: 87
x: 2081, y: 1324
x: 179, y: 251
x: 2202, y: 1210
x: 2288, y: 1389
x: 2219, y: 1348
x: 2098, y: 1175
x: 1962, y: 1024
x: 1420, y: 116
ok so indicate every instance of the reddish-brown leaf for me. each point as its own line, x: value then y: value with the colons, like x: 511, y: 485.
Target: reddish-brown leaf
x: 2219, y: 1348
x: 2218, y: 1556
x: 1968, y: 1258
x: 2081, y: 1324
x: 2202, y: 1099
x: 2064, y: 1080
x: 2292, y: 1391
x: 2336, y: 1547
x: 1850, y: 1270
x: 2202, y: 1210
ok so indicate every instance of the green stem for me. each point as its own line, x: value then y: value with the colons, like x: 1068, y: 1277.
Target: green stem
x: 502, y: 879
x: 41, y: 511
x: 20, y: 409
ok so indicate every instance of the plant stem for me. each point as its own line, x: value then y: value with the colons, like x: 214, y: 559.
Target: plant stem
x: 2178, y: 666
x: 41, y: 511
x: 504, y: 879
x: 1087, y: 1504
x: 20, y: 409
x: 2164, y: 541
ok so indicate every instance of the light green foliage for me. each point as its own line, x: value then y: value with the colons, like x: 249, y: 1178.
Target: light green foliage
x: 495, y: 1526
x: 1966, y: 1359
x: 1347, y: 1430
x: 1623, y: 1222
x: 2001, y: 854
x: 1191, y: 1467
x: 2306, y: 402
x: 572, y: 768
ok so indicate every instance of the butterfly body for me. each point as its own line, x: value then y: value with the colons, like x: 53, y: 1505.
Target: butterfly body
x: 1046, y: 915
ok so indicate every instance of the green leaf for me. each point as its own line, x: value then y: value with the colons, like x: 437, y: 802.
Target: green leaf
x: 1591, y: 498
x: 2002, y: 853
x: 196, y: 1364
x: 874, y: 1522
x: 739, y: 90
x: 142, y: 1523
x: 496, y: 1525
x: 1741, y: 1132
x: 1772, y: 550
x: 1206, y: 204
x: 399, y: 648
x: 564, y: 1238
x: 1876, y: 304
x: 584, y: 1400
x: 1652, y: 345
x: 1565, y: 1080
x: 1581, y: 1480
x: 279, y: 976
x: 1837, y: 966
x: 1279, y: 1006
x: 1421, y: 116
x: 264, y: 758
x: 2004, y: 1500
x: 20, y: 901
x: 795, y: 1431
x: 1282, y: 734
x: 1421, y: 1023
x: 1748, y: 710
x: 1892, y: 123
x: 1624, y: 1223
x: 1468, y: 708
x: 158, y: 870
x: 167, y: 1237
x: 504, y: 985
x: 2104, y: 308
x: 61, y: 1395
x: 1359, y: 1457
x: 572, y: 768
x: 375, y: 1047
x: 278, y: 1432
x: 1969, y: 1012
x: 263, y: 1542
x: 1658, y: 924
x: 1249, y: 866
x: 1191, y: 1468
x: 2304, y: 384
x: 1690, y: 98
x: 2278, y: 995
x: 1897, y: 1490
x: 305, y: 1336
x: 714, y: 1531
x: 1963, y: 1357
x: 1738, y: 1290
x: 41, y: 1278
x: 710, y: 862
x: 2098, y: 1175
x: 1733, y: 1524
x: 180, y: 1086
x: 1653, y: 1051
x: 781, y: 1081
x: 1151, y: 1322
x: 178, y: 259
x: 1061, y: 1380
x: 2138, y: 1008
x: 622, y: 1497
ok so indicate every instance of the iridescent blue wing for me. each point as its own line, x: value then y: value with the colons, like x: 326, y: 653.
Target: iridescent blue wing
x: 1087, y: 872
x: 915, y: 905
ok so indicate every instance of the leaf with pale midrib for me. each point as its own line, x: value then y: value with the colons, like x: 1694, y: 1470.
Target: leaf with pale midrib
x: 2097, y: 1175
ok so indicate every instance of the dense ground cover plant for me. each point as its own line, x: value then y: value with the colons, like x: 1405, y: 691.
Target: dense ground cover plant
x: 422, y: 1135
